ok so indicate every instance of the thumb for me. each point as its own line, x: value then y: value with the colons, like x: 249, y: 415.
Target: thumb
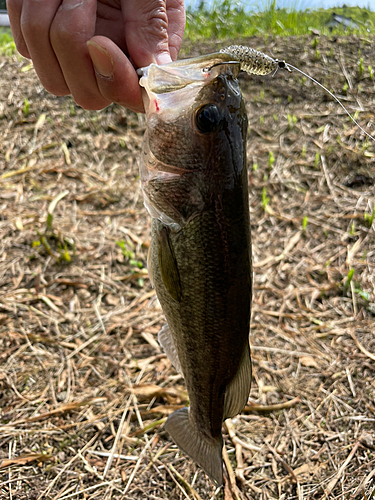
x: 146, y: 31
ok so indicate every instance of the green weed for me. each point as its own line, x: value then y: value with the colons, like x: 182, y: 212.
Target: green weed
x: 365, y: 295
x: 292, y: 120
x: 369, y: 218
x: 26, y: 107
x: 349, y: 278
x: 317, y: 160
x: 137, y: 266
x: 265, y: 199
x: 57, y: 245
x: 361, y: 67
x: 271, y: 159
x: 305, y: 221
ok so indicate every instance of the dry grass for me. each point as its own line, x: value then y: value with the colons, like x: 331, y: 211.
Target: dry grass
x: 85, y: 388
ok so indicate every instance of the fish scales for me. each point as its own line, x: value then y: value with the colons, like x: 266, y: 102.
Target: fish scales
x: 195, y: 185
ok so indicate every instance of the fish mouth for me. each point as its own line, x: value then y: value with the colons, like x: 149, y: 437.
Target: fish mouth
x: 175, y: 75
x: 172, y: 88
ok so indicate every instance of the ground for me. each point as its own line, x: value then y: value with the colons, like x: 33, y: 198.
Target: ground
x: 84, y: 386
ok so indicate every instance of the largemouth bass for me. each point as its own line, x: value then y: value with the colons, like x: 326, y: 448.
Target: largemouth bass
x: 195, y: 186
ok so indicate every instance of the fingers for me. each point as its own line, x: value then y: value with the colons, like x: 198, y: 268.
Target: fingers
x: 14, y: 8
x: 72, y: 26
x: 54, y: 33
x: 36, y: 19
x: 176, y: 25
x: 146, y: 31
x: 116, y: 78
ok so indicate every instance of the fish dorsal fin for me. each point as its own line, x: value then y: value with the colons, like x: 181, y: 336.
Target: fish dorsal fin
x: 206, y: 452
x: 237, y: 392
x: 166, y: 341
x: 168, y: 265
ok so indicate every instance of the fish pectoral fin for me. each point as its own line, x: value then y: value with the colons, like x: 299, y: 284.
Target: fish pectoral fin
x: 166, y: 341
x: 206, y: 452
x: 237, y: 392
x: 168, y: 265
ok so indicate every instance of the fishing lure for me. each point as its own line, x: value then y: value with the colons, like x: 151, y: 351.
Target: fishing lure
x: 255, y: 62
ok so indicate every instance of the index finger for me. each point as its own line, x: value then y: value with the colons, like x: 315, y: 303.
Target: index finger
x: 72, y: 26
x: 115, y: 75
x: 36, y: 19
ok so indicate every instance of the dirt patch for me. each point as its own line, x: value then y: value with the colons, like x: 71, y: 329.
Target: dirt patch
x: 81, y: 373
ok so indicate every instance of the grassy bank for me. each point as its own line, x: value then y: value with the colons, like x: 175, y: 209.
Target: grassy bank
x: 227, y: 19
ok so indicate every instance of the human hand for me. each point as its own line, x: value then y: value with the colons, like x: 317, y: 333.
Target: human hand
x: 65, y: 38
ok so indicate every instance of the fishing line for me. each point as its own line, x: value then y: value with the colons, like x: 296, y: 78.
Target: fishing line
x: 255, y: 62
x: 335, y: 98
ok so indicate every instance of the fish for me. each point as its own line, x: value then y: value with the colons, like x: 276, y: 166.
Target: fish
x: 195, y: 186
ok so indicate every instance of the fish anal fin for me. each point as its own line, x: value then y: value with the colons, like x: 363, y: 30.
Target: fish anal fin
x: 168, y: 265
x: 206, y: 452
x: 237, y: 392
x: 166, y: 341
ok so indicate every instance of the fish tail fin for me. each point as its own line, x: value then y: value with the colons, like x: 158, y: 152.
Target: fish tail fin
x: 206, y: 452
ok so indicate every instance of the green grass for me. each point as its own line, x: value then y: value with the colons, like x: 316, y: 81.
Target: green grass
x: 7, y: 45
x: 226, y: 19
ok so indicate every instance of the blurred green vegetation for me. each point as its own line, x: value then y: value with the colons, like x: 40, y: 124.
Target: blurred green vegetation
x: 226, y: 19
x: 7, y: 45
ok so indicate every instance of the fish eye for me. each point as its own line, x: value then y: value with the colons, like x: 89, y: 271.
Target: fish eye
x: 208, y: 119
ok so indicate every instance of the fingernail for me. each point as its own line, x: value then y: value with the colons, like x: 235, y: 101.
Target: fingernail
x: 101, y: 59
x: 163, y: 58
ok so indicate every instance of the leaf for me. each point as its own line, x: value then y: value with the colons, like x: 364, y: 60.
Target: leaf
x: 65, y: 150
x: 27, y: 68
x: 18, y: 224
x: 39, y: 124
x: 150, y: 391
x: 55, y: 201
x: 163, y: 410
x: 308, y: 361
x: 65, y: 408
x: 25, y: 459
x: 305, y: 471
x: 49, y: 221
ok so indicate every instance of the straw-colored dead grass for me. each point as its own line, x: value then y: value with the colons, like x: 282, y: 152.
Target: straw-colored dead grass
x: 85, y: 388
